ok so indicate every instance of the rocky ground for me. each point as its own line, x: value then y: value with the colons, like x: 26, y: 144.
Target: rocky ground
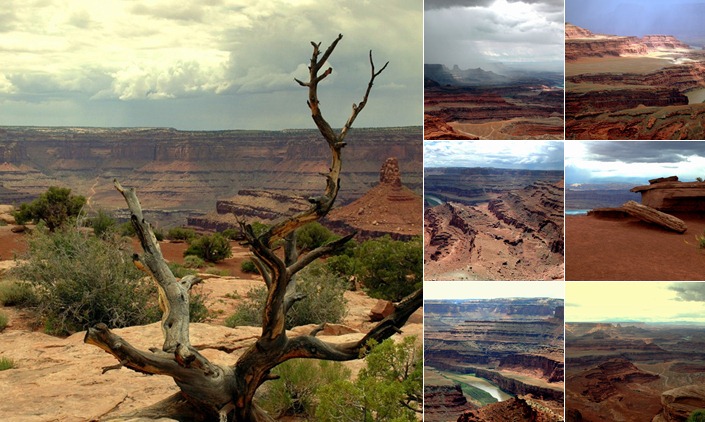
x: 60, y: 378
x: 632, y: 88
x: 516, y: 235
x: 629, y: 249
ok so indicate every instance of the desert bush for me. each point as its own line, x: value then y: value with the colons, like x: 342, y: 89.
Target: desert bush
x: 248, y: 266
x: 213, y: 248
x: 102, y: 223
x: 697, y: 416
x: 217, y: 271
x: 387, y: 389
x: 294, y: 393
x: 126, y: 229
x: 192, y: 261
x: 313, y: 235
x: 82, y: 280
x: 232, y: 234
x: 4, y: 320
x: 324, y: 301
x: 198, y: 312
x: 54, y: 207
x: 179, y: 270
x: 258, y: 228
x: 17, y: 293
x: 6, y: 363
x: 180, y: 233
x: 389, y: 269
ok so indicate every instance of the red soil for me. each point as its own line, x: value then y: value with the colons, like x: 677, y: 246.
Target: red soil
x: 628, y: 249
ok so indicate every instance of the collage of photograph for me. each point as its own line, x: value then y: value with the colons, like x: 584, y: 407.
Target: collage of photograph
x: 345, y: 211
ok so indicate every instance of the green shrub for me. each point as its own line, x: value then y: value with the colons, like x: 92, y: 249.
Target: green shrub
x: 387, y: 389
x: 259, y: 228
x: 232, y: 234
x: 54, y: 207
x: 697, y: 416
x: 127, y: 229
x: 198, y: 312
x: 313, y: 235
x: 82, y: 280
x: 4, y: 320
x: 17, y: 293
x: 213, y: 248
x: 294, y: 393
x: 179, y: 270
x: 6, y: 363
x: 192, y: 261
x: 217, y: 271
x: 248, y: 266
x: 180, y: 233
x: 324, y: 301
x: 389, y: 269
x: 102, y: 223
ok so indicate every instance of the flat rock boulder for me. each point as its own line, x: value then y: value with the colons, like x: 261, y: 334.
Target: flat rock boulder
x: 381, y: 310
x: 680, y: 402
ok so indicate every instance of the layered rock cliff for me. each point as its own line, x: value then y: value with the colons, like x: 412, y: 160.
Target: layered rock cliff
x: 191, y: 169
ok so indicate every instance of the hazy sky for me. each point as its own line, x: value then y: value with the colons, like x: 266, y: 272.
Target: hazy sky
x: 205, y: 64
x: 531, y: 155
x: 620, y: 160
x: 635, y: 301
x: 471, y: 33
x: 683, y: 18
x: 492, y: 289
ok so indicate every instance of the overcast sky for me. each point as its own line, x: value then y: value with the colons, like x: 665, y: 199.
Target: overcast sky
x: 492, y: 289
x: 683, y: 18
x: 605, y: 161
x: 529, y: 155
x: 205, y: 64
x: 525, y: 34
x: 635, y: 301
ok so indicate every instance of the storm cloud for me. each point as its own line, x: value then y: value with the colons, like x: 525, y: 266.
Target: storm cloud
x: 689, y: 292
x: 532, y: 155
x: 213, y: 64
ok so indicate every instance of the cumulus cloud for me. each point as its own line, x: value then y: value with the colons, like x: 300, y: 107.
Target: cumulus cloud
x: 689, y: 292
x: 164, y: 50
x: 538, y: 155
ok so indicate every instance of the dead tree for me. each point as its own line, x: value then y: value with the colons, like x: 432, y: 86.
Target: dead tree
x: 225, y: 393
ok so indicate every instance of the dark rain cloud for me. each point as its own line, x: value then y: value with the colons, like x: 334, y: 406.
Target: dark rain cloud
x: 643, y: 152
x: 689, y: 292
x: 448, y: 4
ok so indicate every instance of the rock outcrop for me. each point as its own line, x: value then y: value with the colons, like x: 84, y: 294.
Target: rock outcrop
x: 388, y: 208
x: 679, y: 403
x: 514, y: 409
x: 671, y: 195
x: 444, y: 402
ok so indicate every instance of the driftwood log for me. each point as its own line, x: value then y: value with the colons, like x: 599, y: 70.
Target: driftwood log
x: 225, y: 393
x: 655, y: 216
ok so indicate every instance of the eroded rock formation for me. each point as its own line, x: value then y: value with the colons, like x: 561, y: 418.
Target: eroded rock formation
x: 516, y: 234
x: 672, y: 195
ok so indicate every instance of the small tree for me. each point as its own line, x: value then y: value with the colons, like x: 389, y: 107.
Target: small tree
x: 102, y: 223
x: 54, y: 207
x: 313, y: 235
x: 216, y: 392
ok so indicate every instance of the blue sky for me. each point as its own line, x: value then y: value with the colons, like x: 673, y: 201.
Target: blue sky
x: 205, y: 64
x: 529, y: 155
x: 682, y: 18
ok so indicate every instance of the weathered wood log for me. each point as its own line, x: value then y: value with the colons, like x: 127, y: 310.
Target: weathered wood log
x: 655, y: 216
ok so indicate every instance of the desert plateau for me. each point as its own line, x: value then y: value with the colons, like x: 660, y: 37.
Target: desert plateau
x: 493, y: 224
x: 490, y: 360
x: 633, y: 87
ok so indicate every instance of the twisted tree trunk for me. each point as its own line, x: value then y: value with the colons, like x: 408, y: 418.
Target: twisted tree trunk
x: 224, y: 393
